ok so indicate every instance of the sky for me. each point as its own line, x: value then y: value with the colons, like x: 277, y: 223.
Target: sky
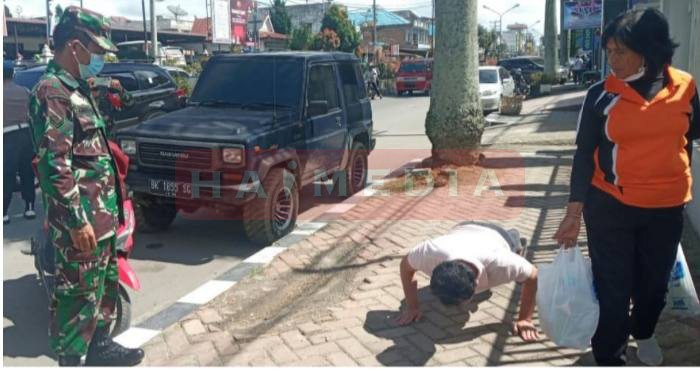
x: 529, y: 11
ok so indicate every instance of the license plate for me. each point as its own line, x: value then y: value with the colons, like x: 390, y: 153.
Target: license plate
x: 167, y: 188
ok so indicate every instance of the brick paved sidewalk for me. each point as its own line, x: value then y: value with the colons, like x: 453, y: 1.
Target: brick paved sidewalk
x: 331, y: 300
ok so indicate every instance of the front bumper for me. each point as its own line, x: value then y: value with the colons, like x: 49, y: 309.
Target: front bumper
x: 490, y: 102
x: 204, y: 194
x: 412, y: 85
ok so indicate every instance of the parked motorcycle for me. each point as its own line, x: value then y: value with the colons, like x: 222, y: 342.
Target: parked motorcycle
x: 522, y: 88
x: 44, y: 252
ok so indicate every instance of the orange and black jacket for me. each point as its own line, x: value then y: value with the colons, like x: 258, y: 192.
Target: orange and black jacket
x: 634, y: 140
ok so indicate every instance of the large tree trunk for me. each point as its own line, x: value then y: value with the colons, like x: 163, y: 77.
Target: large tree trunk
x: 455, y: 121
x: 550, y: 39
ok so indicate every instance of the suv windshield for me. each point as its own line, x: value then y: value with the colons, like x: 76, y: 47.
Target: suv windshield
x: 412, y: 68
x: 488, y: 76
x: 256, y: 83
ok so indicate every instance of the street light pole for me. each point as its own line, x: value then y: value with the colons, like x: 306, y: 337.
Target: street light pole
x: 500, y: 24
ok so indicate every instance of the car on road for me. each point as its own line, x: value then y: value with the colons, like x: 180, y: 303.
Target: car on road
x: 494, y: 83
x: 257, y: 129
x: 414, y: 75
x: 532, y: 64
x: 181, y: 74
x: 153, y: 89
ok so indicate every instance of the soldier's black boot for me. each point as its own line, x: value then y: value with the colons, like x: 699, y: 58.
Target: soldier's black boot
x: 105, y: 352
x: 69, y: 360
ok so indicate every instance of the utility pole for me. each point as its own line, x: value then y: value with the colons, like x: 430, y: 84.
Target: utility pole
x: 374, y: 30
x: 255, y: 22
x: 154, y: 33
x: 432, y: 26
x: 550, y: 38
x: 145, y: 31
x: 48, y: 23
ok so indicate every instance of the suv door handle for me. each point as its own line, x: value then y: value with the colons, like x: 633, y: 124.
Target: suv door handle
x: 338, y: 122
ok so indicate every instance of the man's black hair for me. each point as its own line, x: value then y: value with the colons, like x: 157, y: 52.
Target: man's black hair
x: 453, y: 282
x: 63, y: 34
x: 646, y: 32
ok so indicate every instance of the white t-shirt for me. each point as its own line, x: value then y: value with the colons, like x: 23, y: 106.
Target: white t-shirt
x: 480, y: 246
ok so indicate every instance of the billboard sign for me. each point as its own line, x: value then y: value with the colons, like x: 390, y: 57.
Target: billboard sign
x: 240, y: 10
x: 221, y: 22
x: 581, y: 14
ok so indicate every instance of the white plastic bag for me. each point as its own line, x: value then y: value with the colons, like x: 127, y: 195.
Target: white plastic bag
x: 682, y: 298
x: 567, y: 304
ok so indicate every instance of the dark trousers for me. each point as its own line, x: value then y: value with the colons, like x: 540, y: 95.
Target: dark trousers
x: 17, y: 159
x: 632, y: 252
x: 373, y: 86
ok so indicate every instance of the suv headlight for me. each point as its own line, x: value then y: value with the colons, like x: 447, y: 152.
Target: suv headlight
x: 231, y: 155
x: 128, y: 146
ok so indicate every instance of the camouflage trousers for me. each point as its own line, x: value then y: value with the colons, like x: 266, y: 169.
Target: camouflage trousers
x: 85, y: 297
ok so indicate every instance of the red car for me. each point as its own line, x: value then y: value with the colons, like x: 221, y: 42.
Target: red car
x: 415, y: 75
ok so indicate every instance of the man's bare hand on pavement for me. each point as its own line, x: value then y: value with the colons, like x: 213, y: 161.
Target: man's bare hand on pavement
x: 410, y: 315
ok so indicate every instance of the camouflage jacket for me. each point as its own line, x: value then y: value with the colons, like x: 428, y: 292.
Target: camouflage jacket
x: 75, y: 167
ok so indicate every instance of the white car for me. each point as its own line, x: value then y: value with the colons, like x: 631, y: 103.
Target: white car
x: 494, y: 83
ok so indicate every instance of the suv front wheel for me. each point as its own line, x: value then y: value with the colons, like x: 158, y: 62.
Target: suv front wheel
x: 269, y: 218
x: 152, y: 216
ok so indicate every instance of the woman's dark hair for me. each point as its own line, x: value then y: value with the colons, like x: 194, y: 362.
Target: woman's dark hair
x: 453, y: 282
x: 645, y: 32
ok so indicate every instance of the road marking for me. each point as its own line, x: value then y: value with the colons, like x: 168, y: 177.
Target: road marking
x: 134, y: 337
x: 304, y: 232
x: 206, y: 292
x: 265, y: 255
x: 368, y: 192
x: 312, y: 225
x: 340, y: 208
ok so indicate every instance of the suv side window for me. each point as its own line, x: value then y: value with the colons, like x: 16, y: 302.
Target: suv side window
x: 150, y: 79
x: 351, y: 86
x: 127, y: 80
x: 358, y: 72
x: 323, y: 86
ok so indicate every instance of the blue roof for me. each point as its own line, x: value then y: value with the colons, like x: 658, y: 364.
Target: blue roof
x: 384, y: 18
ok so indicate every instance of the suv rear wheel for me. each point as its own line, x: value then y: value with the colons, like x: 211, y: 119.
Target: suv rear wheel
x: 356, y: 170
x: 152, y: 216
x: 268, y: 219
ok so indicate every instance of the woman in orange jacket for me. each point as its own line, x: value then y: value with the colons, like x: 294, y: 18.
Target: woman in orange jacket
x: 631, y: 180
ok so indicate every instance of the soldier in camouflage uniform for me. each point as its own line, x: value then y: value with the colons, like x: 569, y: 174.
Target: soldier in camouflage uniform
x: 77, y: 174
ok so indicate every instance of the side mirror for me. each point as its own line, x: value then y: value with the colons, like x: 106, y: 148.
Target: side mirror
x: 317, y: 108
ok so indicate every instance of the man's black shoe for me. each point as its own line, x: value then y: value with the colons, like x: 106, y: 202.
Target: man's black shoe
x: 70, y: 360
x: 105, y: 352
